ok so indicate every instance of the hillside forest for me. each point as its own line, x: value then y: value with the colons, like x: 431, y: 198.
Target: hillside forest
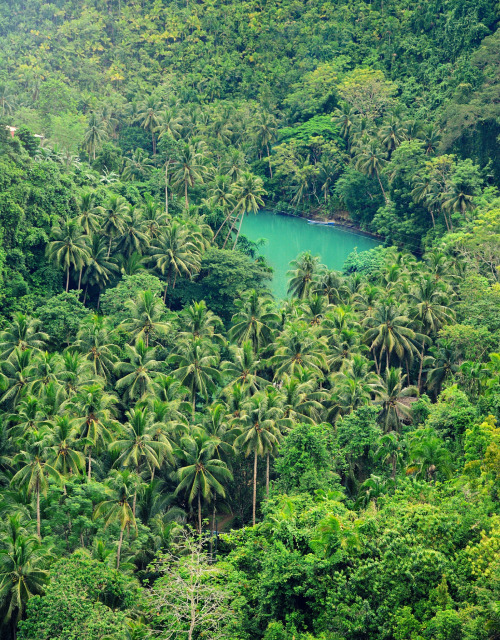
x: 182, y: 455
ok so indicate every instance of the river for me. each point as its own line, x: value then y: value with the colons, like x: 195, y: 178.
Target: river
x: 287, y: 236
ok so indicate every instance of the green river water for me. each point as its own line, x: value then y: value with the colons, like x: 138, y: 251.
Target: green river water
x: 288, y: 236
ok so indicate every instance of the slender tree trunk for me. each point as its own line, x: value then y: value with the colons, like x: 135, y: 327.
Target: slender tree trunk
x: 154, y: 142
x: 419, y: 383
x: 432, y: 216
x: 89, y: 476
x: 226, y: 219
x: 267, y: 476
x: 229, y: 232
x: 254, y: 497
x: 166, y: 186
x: 67, y: 279
x: 119, y: 550
x: 38, y: 519
x: 109, y: 245
x: 238, y: 233
x: 186, y: 193
x: 165, y: 292
x: 80, y: 279
x: 199, y: 513
x: 381, y: 187
x: 387, y: 359
x: 134, y: 503
x: 85, y: 294
x: 377, y: 366
x: 269, y: 160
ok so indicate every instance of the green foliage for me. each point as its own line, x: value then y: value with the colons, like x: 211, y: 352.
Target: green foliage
x: 61, y: 317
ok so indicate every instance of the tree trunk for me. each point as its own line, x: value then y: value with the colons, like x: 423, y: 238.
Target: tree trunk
x: 85, y: 294
x: 186, y: 194
x: 166, y: 187
x: 80, y: 279
x: 381, y: 187
x: 269, y: 160
x: 254, y: 497
x: 109, y: 245
x: 199, y: 513
x: 419, y: 383
x: 134, y: 503
x: 38, y: 519
x: 226, y: 219
x: 387, y: 359
x: 89, y: 476
x: 165, y: 293
x: 229, y: 232
x: 154, y: 142
x: 67, y: 279
x: 238, y: 233
x: 377, y: 366
x: 119, y: 550
x: 267, y: 476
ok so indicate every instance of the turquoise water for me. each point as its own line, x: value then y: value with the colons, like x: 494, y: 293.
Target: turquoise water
x: 288, y: 236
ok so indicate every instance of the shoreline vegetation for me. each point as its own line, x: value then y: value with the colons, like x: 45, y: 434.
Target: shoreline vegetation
x: 152, y: 390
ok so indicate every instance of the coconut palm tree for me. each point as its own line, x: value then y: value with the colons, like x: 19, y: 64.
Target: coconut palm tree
x: 201, y: 473
x: 302, y: 275
x: 149, y: 117
x: 302, y: 400
x: 94, y: 135
x: 243, y: 368
x: 390, y: 451
x: 89, y: 214
x: 254, y: 320
x: 175, y: 254
x: 62, y: 439
x: 428, y: 455
x: 95, y: 342
x: 369, y: 161
x: 296, y: 348
x: 137, y: 167
x: 23, y: 570
x: 69, y: 249
x: 189, y: 168
x: 196, y: 362
x: 259, y: 433
x: 16, y: 376
x: 440, y: 365
x: 99, y: 268
x: 264, y: 129
x: 248, y: 192
x: 199, y: 322
x: 34, y: 470
x: 146, y: 320
x: 138, y: 373
x: 134, y: 238
x: 114, y: 219
x: 121, y: 486
x: 391, y: 394
x: 22, y: 333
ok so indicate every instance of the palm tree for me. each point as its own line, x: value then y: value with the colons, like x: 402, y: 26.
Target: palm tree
x: 98, y: 268
x: 259, y: 433
x: 93, y: 409
x: 428, y: 303
x: 35, y: 470
x: 391, y: 394
x: 69, y: 249
x: 390, y: 333
x: 329, y: 283
x: 189, y: 168
x: 392, y: 134
x: 302, y: 400
x: 243, y: 368
x: 134, y: 238
x: 440, y: 365
x: 248, y: 193
x: 428, y: 455
x: 254, y: 320
x: 89, y: 216
x: 146, y: 318
x: 296, y: 348
x: 16, y: 376
x: 23, y: 570
x: 305, y: 268
x: 22, y: 333
x: 139, y: 372
x: 369, y: 161
x: 175, y: 255
x: 199, y: 322
x: 149, y: 117
x: 62, y: 438
x: 202, y: 472
x: 121, y: 486
x: 94, y: 135
x: 114, y: 219
x: 390, y: 451
x: 94, y: 341
x: 196, y: 363
x: 137, y: 167
x: 265, y: 133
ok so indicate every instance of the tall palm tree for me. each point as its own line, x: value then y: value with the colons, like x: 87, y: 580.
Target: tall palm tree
x: 138, y: 373
x: 189, y: 168
x: 89, y: 214
x: 202, y: 473
x: 259, y: 433
x: 428, y: 304
x: 196, y: 363
x: 302, y: 400
x: 95, y: 342
x: 94, y: 410
x: 302, y: 275
x: 199, y: 322
x: 175, y: 254
x: 265, y: 132
x: 254, y: 320
x: 98, y: 268
x: 34, y: 469
x: 16, y: 376
x: 146, y: 318
x: 390, y: 451
x: 62, y: 438
x: 149, y: 117
x: 428, y: 455
x: 121, y: 487
x: 23, y: 570
x: 94, y: 135
x: 369, y: 161
x: 69, y: 249
x: 440, y: 365
x: 134, y: 238
x: 391, y: 395
x: 297, y: 348
x: 22, y: 333
x: 114, y: 219
x: 344, y: 118
x: 248, y: 193
x: 243, y: 368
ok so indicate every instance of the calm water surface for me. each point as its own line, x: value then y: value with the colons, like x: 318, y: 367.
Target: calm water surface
x: 288, y: 236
